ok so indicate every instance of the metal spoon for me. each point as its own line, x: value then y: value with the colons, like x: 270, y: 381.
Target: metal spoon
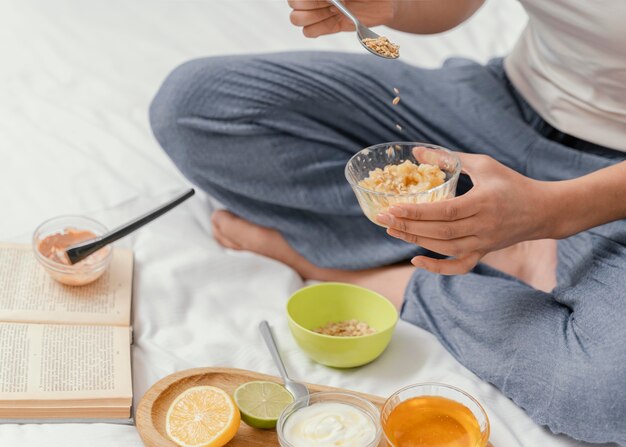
x: 297, y: 389
x: 362, y: 31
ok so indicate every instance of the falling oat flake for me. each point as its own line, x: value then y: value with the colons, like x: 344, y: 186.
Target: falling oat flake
x: 399, y: 127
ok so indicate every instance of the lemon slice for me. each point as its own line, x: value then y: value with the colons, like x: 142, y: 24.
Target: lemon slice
x: 202, y: 416
x: 261, y: 403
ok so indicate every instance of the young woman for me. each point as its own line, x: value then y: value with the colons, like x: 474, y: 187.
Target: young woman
x: 541, y: 134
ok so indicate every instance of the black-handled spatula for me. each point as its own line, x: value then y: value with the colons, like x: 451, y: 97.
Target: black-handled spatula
x: 78, y: 252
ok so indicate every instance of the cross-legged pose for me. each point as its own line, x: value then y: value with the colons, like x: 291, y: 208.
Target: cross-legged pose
x: 523, y: 277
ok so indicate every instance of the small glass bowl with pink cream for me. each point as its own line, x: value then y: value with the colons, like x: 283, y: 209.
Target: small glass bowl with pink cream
x: 55, y: 235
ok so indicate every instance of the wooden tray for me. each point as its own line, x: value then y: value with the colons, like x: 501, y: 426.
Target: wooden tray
x: 150, y: 416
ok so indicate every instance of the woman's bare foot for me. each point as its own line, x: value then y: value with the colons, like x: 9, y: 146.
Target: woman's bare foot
x: 533, y: 262
x: 238, y: 234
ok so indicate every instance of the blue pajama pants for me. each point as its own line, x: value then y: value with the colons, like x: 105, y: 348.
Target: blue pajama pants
x: 269, y: 136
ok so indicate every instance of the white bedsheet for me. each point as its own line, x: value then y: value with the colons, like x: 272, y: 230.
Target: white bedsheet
x: 76, y: 78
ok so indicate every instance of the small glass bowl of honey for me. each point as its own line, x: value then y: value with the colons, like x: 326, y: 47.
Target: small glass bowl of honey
x: 434, y: 415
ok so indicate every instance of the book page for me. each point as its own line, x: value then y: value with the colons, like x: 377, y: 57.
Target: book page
x: 47, y: 362
x: 29, y: 295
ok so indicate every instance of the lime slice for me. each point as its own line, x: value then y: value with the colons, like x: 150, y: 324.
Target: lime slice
x: 261, y: 403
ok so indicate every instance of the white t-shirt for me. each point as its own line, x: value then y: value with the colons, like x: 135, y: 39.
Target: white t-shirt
x: 570, y: 65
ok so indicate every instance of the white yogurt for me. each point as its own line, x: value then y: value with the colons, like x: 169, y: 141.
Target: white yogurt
x: 329, y: 424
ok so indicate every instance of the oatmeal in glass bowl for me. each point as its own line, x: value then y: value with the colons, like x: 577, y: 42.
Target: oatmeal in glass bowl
x: 403, y: 172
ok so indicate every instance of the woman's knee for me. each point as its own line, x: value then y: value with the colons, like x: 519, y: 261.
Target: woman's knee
x: 189, y: 111
x: 220, y: 88
x: 175, y: 99
x: 204, y: 103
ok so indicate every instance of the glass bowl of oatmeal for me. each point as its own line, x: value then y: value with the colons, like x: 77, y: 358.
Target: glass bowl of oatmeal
x: 403, y: 172
x: 52, y: 237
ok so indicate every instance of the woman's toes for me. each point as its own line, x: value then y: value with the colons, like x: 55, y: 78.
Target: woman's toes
x: 224, y: 242
x: 229, y: 224
x: 219, y: 217
x: 219, y: 235
x: 246, y: 235
x: 239, y: 234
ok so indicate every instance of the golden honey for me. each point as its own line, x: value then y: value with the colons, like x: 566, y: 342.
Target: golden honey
x: 431, y: 421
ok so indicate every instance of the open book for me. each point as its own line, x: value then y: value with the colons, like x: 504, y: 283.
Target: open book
x: 64, y: 351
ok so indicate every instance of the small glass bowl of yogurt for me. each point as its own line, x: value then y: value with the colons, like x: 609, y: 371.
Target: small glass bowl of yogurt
x: 52, y: 237
x: 329, y: 419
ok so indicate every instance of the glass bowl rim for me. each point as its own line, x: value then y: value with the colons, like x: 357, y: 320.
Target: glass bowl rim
x: 336, y: 337
x: 62, y: 268
x: 435, y: 384
x: 371, y: 407
x: 455, y: 174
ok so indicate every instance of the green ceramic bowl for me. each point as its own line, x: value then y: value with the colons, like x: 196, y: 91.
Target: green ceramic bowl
x: 315, y: 306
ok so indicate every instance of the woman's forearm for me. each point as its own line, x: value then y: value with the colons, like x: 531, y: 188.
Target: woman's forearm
x: 432, y: 16
x: 580, y: 204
